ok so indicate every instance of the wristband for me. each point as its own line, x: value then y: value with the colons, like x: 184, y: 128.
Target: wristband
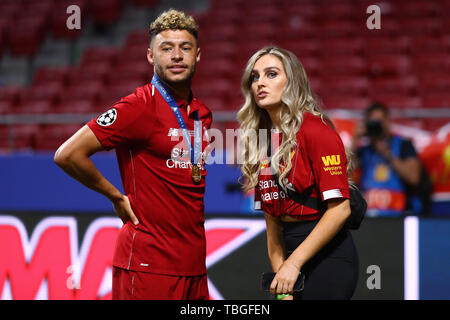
x: 282, y: 296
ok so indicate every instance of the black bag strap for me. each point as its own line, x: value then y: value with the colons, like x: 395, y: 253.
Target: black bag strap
x: 304, y: 198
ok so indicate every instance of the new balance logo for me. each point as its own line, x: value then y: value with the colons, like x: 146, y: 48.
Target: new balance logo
x: 175, y: 132
x: 332, y: 160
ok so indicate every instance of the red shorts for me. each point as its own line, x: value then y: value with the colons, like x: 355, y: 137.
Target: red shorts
x: 134, y: 285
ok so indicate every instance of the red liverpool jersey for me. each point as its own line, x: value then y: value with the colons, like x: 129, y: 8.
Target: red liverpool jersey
x: 155, y: 168
x: 319, y: 166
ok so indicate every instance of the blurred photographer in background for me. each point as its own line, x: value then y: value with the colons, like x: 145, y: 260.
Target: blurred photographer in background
x: 392, y: 177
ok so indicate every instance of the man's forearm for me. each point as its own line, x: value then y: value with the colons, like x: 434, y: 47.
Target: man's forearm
x: 82, y: 169
x: 408, y: 170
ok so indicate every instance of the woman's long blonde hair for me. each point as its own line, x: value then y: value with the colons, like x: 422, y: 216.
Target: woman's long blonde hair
x: 296, y: 98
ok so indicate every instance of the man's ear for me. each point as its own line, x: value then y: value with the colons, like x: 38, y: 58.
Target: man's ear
x: 198, y: 55
x: 150, y: 56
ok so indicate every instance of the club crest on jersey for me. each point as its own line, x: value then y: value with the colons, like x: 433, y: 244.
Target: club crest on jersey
x: 107, y: 118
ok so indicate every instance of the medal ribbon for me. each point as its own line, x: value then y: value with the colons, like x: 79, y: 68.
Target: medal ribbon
x: 165, y: 92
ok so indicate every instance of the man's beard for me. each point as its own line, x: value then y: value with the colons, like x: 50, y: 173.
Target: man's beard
x: 160, y: 72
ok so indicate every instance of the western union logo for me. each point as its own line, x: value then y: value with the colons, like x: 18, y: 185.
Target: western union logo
x: 332, y: 160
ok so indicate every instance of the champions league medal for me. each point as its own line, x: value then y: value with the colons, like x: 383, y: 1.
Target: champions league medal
x: 196, y: 174
x: 195, y: 150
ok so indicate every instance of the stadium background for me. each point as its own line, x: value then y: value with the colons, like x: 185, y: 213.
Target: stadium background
x: 56, y: 235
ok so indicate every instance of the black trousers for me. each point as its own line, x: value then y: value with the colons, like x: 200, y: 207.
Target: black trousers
x: 332, y: 273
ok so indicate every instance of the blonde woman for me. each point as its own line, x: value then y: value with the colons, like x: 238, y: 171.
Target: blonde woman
x: 308, y: 156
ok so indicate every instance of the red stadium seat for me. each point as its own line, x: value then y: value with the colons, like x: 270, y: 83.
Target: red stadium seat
x: 51, y: 74
x: 94, y: 55
x: 435, y: 82
x: 146, y: 3
x: 388, y: 65
x: 399, y: 101
x: 428, y: 45
x: 417, y: 8
x: 25, y: 36
x: 137, y: 37
x: 421, y: 26
x: 11, y: 94
x: 311, y: 65
x: 345, y: 102
x: 90, y: 72
x: 338, y: 28
x: 345, y: 85
x: 436, y: 100
x: 106, y: 11
x: 303, y: 47
x: 350, y: 65
x: 21, y: 137
x: 86, y: 91
x: 340, y: 10
x: 431, y: 62
x: 50, y: 137
x: 400, y: 86
x: 341, y: 46
x: 35, y: 107
x: 132, y: 71
x: 114, y: 93
x: 44, y: 92
x: 387, y: 46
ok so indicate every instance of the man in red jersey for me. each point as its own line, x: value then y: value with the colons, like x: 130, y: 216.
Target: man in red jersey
x: 157, y: 134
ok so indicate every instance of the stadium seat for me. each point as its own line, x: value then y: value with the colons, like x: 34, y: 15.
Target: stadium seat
x: 389, y: 65
x: 34, y: 107
x: 146, y: 3
x: 436, y: 100
x: 303, y: 47
x: 431, y: 62
x: 50, y: 137
x: 387, y: 46
x: 431, y: 26
x: 399, y: 101
x: 23, y: 136
x: 137, y: 37
x: 84, y: 91
x: 350, y: 65
x: 113, y: 93
x: 25, y: 36
x: 345, y: 85
x: 422, y: 8
x: 338, y: 28
x: 428, y: 45
x: 90, y: 72
x: 101, y: 54
x: 44, y: 92
x: 133, y: 71
x: 345, y: 102
x: 435, y: 82
x: 218, y: 49
x: 311, y: 65
x: 399, y: 86
x: 341, y: 46
x: 51, y: 74
x: 106, y: 11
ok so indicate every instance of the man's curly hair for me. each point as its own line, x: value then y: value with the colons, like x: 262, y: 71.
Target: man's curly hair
x: 173, y: 20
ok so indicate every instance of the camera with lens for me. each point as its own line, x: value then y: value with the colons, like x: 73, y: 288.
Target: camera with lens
x: 374, y: 129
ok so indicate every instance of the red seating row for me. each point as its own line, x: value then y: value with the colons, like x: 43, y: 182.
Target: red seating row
x: 24, y: 24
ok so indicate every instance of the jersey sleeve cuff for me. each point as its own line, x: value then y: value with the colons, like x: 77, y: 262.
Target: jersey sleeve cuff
x: 332, y: 194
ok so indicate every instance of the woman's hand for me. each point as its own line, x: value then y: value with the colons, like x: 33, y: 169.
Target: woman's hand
x: 285, y: 278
